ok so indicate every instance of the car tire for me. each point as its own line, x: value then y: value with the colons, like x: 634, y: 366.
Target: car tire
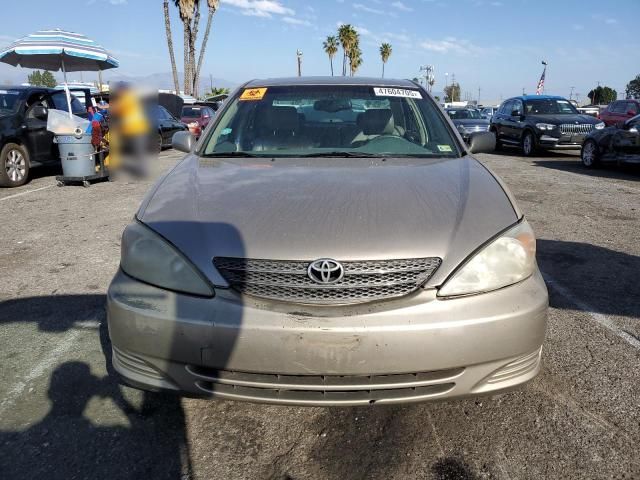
x: 528, y: 144
x: 159, y: 143
x: 14, y: 165
x: 590, y: 154
x: 498, y: 142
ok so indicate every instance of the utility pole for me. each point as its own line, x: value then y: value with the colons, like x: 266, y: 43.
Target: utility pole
x: 571, y: 94
x: 479, y: 96
x: 299, y: 55
x: 453, y: 89
x: 211, y: 82
x: 523, y: 91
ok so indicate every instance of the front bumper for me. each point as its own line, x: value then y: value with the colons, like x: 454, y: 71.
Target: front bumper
x: 414, y: 349
x: 565, y: 142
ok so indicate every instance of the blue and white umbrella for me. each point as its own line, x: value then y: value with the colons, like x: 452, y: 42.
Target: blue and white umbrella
x: 58, y: 50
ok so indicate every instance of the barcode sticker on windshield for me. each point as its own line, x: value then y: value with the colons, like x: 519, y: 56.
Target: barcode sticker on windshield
x: 396, y: 92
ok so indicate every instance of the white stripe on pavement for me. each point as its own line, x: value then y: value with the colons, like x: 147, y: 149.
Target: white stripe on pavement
x: 24, y: 193
x: 599, y: 318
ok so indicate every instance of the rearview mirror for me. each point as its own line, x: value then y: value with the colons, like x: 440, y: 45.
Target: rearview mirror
x: 183, y: 141
x: 482, y: 142
x: 40, y: 112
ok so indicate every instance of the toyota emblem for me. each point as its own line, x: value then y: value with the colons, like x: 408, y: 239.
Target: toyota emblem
x: 325, y: 271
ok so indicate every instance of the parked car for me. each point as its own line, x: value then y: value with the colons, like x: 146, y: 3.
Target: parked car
x: 619, y: 111
x: 197, y: 118
x: 619, y: 143
x: 166, y: 125
x: 309, y: 254
x: 488, y: 112
x: 25, y: 141
x: 537, y: 122
x: 592, y: 110
x: 468, y: 121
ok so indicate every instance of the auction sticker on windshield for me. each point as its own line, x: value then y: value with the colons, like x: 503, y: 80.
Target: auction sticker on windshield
x: 253, y: 94
x: 396, y: 92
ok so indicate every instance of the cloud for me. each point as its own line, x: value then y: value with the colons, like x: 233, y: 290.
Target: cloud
x: 296, y: 21
x: 364, y: 8
x: 260, y: 8
x: 451, y: 45
x: 401, y: 6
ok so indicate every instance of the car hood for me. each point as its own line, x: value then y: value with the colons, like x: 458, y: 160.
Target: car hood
x: 346, y: 209
x: 560, y: 119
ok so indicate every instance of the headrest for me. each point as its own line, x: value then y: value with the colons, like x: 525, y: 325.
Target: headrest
x: 376, y: 122
x: 277, y: 118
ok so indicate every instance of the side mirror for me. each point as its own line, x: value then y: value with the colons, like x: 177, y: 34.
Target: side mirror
x: 40, y: 112
x: 183, y: 141
x: 632, y: 113
x: 482, y: 142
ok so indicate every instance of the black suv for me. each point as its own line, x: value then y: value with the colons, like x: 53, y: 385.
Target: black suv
x: 535, y: 122
x: 25, y: 141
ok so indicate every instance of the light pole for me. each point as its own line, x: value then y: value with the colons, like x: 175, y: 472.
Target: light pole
x: 299, y: 55
x: 571, y: 93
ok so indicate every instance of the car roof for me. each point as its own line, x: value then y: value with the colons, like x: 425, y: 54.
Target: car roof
x: 538, y: 97
x: 338, y: 80
x: 24, y: 87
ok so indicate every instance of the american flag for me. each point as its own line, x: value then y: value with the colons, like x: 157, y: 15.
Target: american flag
x: 540, y: 88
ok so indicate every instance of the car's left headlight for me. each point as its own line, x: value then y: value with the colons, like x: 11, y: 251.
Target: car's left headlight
x: 150, y: 258
x: 508, y: 259
x: 599, y: 126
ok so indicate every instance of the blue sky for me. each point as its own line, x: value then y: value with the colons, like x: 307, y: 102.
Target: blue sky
x: 495, y: 45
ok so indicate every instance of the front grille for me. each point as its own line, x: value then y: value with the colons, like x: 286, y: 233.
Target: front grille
x: 572, y: 128
x: 363, y: 281
x: 476, y: 128
x: 329, y: 389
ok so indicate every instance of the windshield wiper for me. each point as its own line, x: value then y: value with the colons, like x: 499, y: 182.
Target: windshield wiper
x: 343, y: 155
x: 232, y: 154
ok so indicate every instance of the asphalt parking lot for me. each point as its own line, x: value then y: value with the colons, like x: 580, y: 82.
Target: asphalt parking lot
x: 63, y: 416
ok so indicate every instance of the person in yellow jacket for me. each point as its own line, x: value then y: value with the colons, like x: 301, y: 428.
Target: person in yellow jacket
x: 129, y: 130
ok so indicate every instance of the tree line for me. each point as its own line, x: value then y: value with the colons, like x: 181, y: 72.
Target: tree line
x: 42, y: 79
x: 349, y: 39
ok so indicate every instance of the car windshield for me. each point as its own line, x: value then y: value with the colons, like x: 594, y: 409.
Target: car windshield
x: 462, y: 114
x: 191, y: 112
x: 550, y: 107
x: 9, y: 100
x: 345, y: 120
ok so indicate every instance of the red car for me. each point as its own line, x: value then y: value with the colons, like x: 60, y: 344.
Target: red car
x: 197, y: 117
x: 619, y: 111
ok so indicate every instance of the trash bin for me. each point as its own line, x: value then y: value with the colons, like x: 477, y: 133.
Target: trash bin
x: 76, y: 155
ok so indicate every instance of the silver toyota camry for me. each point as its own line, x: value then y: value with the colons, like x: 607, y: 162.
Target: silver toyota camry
x: 328, y: 241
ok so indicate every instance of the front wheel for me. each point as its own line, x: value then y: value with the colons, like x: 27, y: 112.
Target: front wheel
x: 14, y: 165
x: 589, y: 154
x: 528, y: 144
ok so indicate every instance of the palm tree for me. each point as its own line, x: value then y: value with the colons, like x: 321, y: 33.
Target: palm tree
x: 167, y: 27
x: 195, y: 24
x: 213, y: 6
x: 355, y: 60
x: 331, y: 48
x: 186, y: 10
x: 385, y: 53
x: 347, y: 36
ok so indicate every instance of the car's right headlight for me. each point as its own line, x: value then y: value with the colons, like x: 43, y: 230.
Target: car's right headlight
x: 545, y: 126
x: 148, y: 257
x: 508, y: 259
